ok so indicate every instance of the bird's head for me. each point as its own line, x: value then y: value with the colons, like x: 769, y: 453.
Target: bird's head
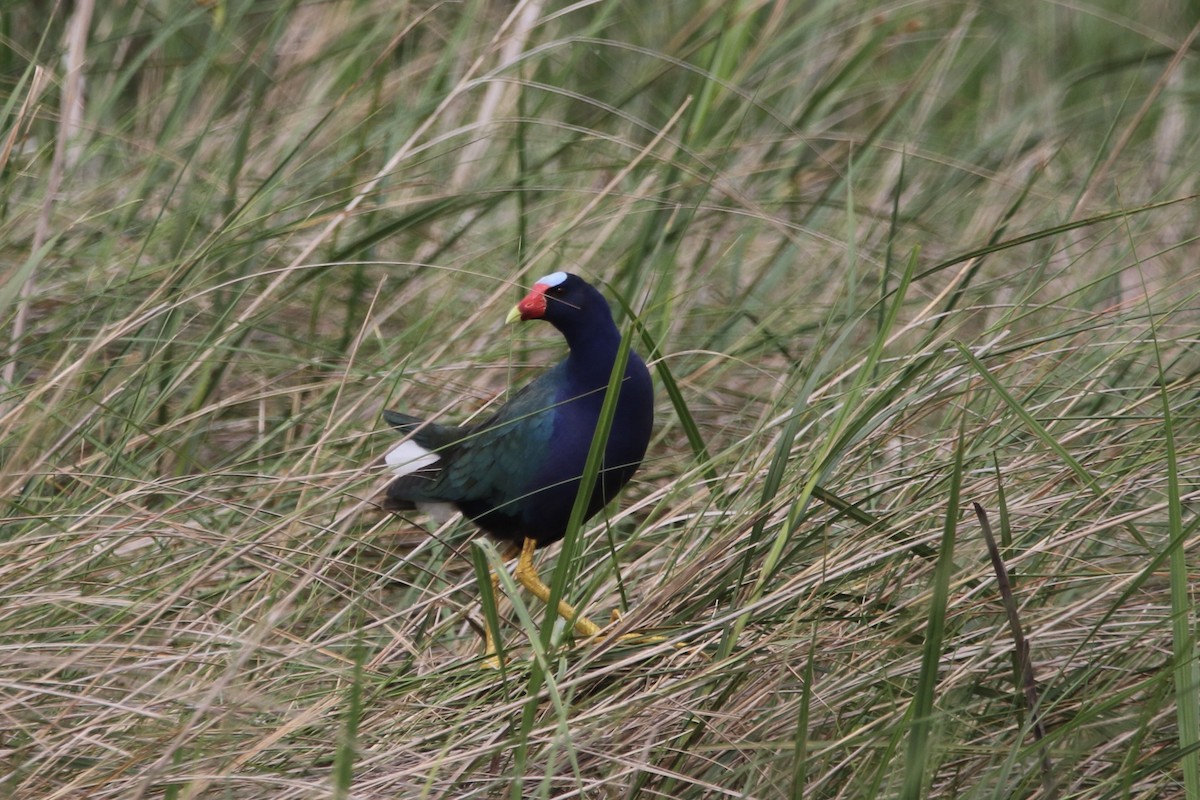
x: 560, y: 298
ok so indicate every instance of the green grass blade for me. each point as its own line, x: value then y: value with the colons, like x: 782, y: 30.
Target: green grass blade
x: 1183, y: 607
x: 919, y: 755
x: 347, y: 749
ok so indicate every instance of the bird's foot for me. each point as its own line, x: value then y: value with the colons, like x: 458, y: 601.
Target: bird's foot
x: 634, y: 637
x: 492, y: 659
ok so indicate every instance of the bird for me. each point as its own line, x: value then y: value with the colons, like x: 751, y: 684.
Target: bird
x: 516, y: 474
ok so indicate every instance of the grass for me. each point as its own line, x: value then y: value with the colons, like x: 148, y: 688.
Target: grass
x: 887, y: 263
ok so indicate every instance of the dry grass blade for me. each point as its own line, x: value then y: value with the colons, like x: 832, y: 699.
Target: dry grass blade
x: 287, y: 216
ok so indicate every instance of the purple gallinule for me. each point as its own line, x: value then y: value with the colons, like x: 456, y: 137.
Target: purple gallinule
x: 516, y: 474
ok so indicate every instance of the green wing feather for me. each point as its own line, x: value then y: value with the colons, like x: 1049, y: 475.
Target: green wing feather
x: 494, y: 461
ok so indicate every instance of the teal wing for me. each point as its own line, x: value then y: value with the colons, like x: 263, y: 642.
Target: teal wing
x: 489, y: 464
x: 497, y: 460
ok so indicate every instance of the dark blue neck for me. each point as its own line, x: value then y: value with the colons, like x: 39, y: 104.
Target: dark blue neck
x: 594, y: 343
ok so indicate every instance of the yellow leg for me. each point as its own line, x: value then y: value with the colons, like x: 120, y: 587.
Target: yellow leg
x: 527, y: 576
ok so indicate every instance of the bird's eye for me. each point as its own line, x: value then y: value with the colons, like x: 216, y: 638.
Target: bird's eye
x: 555, y: 290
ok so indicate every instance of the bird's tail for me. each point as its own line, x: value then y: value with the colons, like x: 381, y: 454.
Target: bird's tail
x: 401, y: 422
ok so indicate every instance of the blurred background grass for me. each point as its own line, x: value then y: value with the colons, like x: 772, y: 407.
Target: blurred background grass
x: 887, y: 260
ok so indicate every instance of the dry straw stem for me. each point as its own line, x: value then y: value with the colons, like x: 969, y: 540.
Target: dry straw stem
x: 67, y: 145
x: 1022, y: 654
